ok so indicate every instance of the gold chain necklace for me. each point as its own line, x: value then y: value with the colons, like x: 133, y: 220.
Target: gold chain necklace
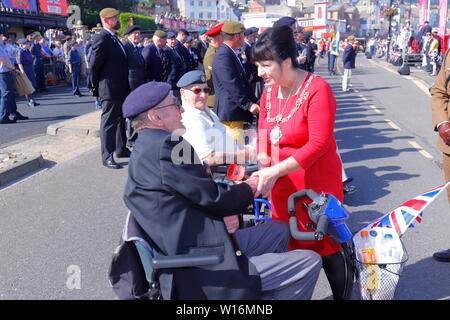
x: 276, y: 134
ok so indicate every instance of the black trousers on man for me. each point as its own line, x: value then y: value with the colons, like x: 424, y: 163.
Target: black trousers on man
x: 112, y: 129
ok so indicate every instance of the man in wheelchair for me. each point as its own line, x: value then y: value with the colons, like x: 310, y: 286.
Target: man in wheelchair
x: 180, y: 210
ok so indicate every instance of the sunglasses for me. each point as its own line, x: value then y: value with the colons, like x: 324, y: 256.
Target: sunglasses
x: 198, y: 90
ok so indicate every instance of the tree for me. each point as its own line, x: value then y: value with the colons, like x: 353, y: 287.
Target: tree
x: 91, y: 8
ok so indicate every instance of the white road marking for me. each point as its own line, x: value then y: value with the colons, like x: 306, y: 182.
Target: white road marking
x: 392, y: 124
x: 375, y: 109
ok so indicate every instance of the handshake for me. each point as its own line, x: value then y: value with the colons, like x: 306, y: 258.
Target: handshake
x: 262, y: 181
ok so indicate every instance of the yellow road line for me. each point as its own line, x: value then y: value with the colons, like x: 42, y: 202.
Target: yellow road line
x: 362, y: 97
x: 420, y: 149
x: 392, y: 124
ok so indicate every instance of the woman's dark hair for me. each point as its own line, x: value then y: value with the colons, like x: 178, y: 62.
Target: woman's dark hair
x: 276, y: 44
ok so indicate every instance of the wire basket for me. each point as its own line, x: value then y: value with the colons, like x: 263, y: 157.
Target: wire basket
x: 378, y: 281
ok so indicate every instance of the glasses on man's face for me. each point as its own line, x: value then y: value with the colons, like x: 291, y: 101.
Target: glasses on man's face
x: 198, y: 90
x: 169, y: 105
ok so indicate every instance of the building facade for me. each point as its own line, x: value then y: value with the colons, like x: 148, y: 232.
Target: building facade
x: 208, y: 10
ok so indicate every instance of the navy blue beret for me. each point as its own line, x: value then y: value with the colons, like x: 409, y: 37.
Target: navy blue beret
x: 285, y: 21
x: 132, y: 29
x: 171, y: 35
x: 145, y: 97
x: 191, y: 77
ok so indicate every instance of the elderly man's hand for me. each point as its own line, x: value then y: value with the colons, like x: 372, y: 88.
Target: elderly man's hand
x: 252, y: 182
x: 444, y: 132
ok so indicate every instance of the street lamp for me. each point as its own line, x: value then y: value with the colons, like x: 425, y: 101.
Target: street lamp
x: 389, y: 33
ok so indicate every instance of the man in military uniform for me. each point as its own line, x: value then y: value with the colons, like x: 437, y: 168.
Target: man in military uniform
x: 440, y: 95
x: 157, y: 62
x: 109, y: 65
x: 216, y: 40
x: 235, y: 101
x: 251, y: 69
x: 136, y: 63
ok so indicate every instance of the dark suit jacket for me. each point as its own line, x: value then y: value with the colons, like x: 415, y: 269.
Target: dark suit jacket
x: 182, y: 217
x: 201, y: 48
x: 349, y: 57
x: 185, y: 56
x: 177, y: 69
x: 136, y: 66
x: 153, y: 64
x: 233, y: 93
x: 109, y: 67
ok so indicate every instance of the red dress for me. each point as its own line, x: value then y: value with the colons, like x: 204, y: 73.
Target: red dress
x: 309, y: 137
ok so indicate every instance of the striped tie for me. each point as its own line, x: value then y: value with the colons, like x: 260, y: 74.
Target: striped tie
x: 163, y: 65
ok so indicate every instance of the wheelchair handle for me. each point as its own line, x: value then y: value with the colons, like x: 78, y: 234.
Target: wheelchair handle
x: 322, y: 223
x: 300, y: 194
x: 316, y: 235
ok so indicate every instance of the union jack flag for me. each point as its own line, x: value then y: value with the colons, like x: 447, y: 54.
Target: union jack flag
x: 409, y: 214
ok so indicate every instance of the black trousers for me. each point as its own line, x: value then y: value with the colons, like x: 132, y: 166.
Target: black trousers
x: 112, y: 129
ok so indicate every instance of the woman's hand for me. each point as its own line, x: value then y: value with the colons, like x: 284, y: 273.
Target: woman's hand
x: 263, y: 160
x: 267, y: 178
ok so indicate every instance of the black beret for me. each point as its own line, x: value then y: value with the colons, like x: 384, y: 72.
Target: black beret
x: 191, y: 77
x: 145, y: 97
x: 132, y: 29
x: 285, y: 21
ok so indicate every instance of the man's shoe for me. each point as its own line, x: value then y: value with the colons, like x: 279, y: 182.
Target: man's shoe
x: 110, y: 163
x: 443, y: 256
x: 8, y: 121
x: 124, y: 154
x: 20, y: 117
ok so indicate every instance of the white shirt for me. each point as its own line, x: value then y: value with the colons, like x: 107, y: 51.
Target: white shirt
x: 205, y: 132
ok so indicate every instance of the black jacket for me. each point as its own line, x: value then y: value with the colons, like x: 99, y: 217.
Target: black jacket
x: 136, y: 66
x: 177, y: 69
x: 349, y: 57
x: 109, y: 67
x: 233, y: 93
x: 153, y: 63
x: 182, y: 217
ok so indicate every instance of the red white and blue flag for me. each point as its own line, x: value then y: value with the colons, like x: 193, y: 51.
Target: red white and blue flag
x: 409, y: 214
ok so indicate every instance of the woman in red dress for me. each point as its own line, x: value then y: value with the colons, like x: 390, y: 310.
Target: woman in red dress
x: 297, y: 146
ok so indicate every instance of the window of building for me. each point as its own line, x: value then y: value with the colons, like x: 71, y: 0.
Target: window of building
x: 200, y: 3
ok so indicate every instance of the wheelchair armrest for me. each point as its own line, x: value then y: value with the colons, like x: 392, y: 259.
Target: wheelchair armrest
x: 185, y: 260
x: 222, y: 168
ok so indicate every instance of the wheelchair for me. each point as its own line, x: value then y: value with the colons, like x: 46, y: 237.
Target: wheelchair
x: 137, y: 262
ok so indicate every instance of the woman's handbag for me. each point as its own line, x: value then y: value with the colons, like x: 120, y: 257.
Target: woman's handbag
x: 22, y: 84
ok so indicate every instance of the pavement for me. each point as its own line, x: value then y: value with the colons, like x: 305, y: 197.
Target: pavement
x: 17, y: 161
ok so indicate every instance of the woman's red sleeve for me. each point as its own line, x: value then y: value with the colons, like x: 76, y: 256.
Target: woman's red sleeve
x: 321, y: 113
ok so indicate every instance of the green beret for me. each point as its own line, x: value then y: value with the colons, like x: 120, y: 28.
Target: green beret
x: 109, y: 13
x: 232, y: 27
x: 160, y: 34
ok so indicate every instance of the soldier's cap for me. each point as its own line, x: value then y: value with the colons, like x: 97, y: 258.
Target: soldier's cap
x: 132, y: 29
x: 88, y: 37
x: 188, y: 39
x: 145, y: 97
x: 160, y: 34
x: 214, y: 31
x: 250, y: 31
x: 284, y: 21
x: 171, y: 35
x: 203, y: 31
x: 34, y: 35
x: 109, y: 13
x: 191, y: 77
x: 351, y: 38
x: 232, y: 27
x: 22, y: 41
x: 435, y: 30
x: 73, y: 42
x: 299, y: 29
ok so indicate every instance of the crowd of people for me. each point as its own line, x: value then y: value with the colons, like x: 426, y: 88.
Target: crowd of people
x: 425, y: 42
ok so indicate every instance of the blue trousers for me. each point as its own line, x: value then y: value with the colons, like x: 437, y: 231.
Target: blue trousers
x: 76, y: 70
x: 331, y: 62
x: 8, y: 107
x: 39, y: 71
